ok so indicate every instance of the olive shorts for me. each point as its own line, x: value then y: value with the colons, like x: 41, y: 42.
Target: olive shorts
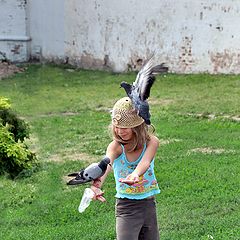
x: 136, y: 219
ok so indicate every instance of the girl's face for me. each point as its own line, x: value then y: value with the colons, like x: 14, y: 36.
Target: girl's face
x: 124, y: 133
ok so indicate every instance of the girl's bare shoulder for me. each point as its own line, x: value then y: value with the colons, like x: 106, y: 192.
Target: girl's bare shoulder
x: 114, y: 149
x: 153, y: 141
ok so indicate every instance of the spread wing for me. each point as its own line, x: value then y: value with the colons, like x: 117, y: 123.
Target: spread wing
x: 146, y: 78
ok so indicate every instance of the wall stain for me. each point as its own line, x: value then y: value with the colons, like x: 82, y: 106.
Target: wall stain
x: 185, y: 57
x: 88, y: 61
x: 135, y: 63
x: 222, y: 60
x: 219, y: 28
x: 16, y: 49
x: 22, y: 4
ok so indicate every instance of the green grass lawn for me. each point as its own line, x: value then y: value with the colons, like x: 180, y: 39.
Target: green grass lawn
x: 197, y: 165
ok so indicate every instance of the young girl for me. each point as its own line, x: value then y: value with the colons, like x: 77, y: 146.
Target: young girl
x: 132, y: 154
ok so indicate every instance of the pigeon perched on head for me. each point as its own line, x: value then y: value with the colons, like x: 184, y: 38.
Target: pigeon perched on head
x: 92, y: 172
x: 139, y: 91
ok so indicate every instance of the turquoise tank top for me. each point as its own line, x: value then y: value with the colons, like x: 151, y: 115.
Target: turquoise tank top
x: 146, y: 187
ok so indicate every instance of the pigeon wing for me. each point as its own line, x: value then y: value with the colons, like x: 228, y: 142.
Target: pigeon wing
x: 146, y: 78
x: 143, y: 74
x: 146, y: 85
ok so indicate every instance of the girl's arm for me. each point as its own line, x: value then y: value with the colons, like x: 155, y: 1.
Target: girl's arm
x: 113, y: 151
x: 145, y: 162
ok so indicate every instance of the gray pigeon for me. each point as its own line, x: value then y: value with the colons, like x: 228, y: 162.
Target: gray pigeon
x: 139, y: 91
x: 92, y: 172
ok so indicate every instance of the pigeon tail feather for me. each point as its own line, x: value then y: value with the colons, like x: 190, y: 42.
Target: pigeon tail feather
x: 159, y: 69
x: 74, y: 174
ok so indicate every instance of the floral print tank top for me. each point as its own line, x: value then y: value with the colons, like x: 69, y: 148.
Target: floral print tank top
x: 146, y: 187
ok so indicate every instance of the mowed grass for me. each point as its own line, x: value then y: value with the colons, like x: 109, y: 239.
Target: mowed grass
x: 197, y: 166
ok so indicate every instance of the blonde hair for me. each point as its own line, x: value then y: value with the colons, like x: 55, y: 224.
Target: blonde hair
x: 141, y: 135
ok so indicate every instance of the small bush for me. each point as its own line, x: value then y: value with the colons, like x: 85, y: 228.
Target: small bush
x: 4, y: 103
x: 18, y: 127
x: 15, y: 156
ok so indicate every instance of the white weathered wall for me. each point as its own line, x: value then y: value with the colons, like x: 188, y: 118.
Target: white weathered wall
x: 47, y: 28
x: 190, y: 36
x: 14, y: 36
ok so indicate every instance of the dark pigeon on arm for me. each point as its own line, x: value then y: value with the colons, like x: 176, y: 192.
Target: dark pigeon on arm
x: 139, y: 91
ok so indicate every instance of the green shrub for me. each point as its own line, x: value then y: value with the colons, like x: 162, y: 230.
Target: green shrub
x: 15, y: 157
x: 18, y: 127
x: 4, y: 103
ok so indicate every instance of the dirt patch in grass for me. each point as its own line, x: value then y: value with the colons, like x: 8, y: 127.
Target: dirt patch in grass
x: 58, y: 114
x: 7, y: 69
x: 103, y: 109
x: 209, y: 150
x: 212, y: 116
x: 168, y: 141
x: 33, y: 143
x: 60, y: 157
x: 233, y: 118
x: 162, y: 102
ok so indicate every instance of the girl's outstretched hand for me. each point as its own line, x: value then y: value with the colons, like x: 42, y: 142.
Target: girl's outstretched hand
x: 98, y: 194
x: 130, y: 179
x: 96, y: 184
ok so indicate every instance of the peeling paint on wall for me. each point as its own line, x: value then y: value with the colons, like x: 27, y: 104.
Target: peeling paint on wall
x: 90, y: 62
x: 186, y: 59
x: 225, y: 60
x: 16, y: 48
x: 14, y: 42
x: 190, y: 36
x: 22, y: 3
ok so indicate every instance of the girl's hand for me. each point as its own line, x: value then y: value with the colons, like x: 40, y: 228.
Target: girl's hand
x: 130, y: 179
x: 98, y: 194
